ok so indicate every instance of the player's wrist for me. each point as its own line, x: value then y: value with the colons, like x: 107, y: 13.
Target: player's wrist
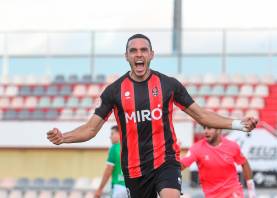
x: 62, y: 139
x: 238, y: 125
x: 99, y: 189
x: 250, y: 184
x: 251, y: 188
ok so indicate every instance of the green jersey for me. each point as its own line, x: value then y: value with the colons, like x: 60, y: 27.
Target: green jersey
x: 114, y: 159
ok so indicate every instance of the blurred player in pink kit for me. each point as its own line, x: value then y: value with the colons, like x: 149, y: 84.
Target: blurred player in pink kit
x: 216, y: 157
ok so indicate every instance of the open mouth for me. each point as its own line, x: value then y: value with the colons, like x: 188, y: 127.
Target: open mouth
x: 139, y: 65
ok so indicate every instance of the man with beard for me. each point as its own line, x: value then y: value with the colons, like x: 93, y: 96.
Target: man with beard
x: 142, y: 101
x: 215, y: 157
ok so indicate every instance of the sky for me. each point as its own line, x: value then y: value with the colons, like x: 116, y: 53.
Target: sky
x: 133, y: 14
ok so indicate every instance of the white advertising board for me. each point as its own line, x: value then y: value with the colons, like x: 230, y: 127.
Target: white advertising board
x: 259, y: 147
x: 33, y: 134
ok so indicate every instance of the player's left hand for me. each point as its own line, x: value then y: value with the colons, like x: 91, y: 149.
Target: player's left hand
x: 249, y: 123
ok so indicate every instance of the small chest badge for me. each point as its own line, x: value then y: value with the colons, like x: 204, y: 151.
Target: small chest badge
x: 155, y: 91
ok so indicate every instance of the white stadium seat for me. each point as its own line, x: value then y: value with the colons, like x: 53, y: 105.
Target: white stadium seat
x: 257, y: 103
x: 79, y: 90
x: 242, y: 102
x: 213, y: 102
x: 237, y: 114
x: 252, y: 112
x: 261, y: 90
x: 93, y: 90
x: 246, y: 90
x: 17, y: 102
x: 4, y: 102
x: 11, y: 90
x: 227, y: 102
x: 31, y: 102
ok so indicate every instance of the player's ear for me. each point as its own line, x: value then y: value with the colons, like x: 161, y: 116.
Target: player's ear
x: 152, y: 54
x: 126, y: 56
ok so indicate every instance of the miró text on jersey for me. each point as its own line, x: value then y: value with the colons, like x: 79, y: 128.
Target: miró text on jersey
x: 143, y: 115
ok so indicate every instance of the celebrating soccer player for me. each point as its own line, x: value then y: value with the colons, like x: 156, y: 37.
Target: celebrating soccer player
x: 142, y: 101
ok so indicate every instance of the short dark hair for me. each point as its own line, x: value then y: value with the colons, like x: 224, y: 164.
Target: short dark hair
x: 115, y: 127
x: 139, y: 36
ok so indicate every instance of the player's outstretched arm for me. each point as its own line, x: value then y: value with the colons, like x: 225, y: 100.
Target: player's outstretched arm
x: 183, y: 167
x: 213, y: 120
x: 247, y: 173
x: 81, y: 134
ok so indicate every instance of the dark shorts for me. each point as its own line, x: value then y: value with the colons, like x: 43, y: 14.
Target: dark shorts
x: 166, y: 176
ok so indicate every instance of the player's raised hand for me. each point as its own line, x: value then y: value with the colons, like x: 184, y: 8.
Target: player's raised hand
x: 55, y: 136
x: 249, y: 123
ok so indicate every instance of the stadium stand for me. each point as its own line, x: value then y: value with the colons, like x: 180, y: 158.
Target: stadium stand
x: 74, y: 98
x: 51, y: 188
x: 217, y: 90
x: 38, y: 184
x: 52, y: 184
x: 232, y: 90
x: 23, y: 183
x: 67, y: 184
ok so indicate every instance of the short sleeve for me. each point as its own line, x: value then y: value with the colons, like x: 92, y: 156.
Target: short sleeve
x: 239, y: 157
x: 181, y: 97
x: 111, y: 156
x: 106, y: 104
x: 189, y: 158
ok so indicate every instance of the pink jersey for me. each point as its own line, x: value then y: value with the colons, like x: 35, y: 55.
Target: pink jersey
x: 217, y: 171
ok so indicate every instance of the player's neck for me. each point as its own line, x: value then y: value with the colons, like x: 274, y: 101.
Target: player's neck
x: 140, y: 78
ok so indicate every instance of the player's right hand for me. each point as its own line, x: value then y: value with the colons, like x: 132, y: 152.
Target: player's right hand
x: 55, y: 136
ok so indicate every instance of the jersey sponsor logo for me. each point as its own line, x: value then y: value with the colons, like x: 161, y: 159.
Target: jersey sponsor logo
x: 155, y: 91
x: 143, y: 115
x: 127, y: 94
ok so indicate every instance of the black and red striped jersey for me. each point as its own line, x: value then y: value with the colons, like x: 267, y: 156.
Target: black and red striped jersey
x: 143, y: 111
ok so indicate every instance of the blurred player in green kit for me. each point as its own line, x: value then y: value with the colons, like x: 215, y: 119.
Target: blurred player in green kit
x: 113, y: 169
